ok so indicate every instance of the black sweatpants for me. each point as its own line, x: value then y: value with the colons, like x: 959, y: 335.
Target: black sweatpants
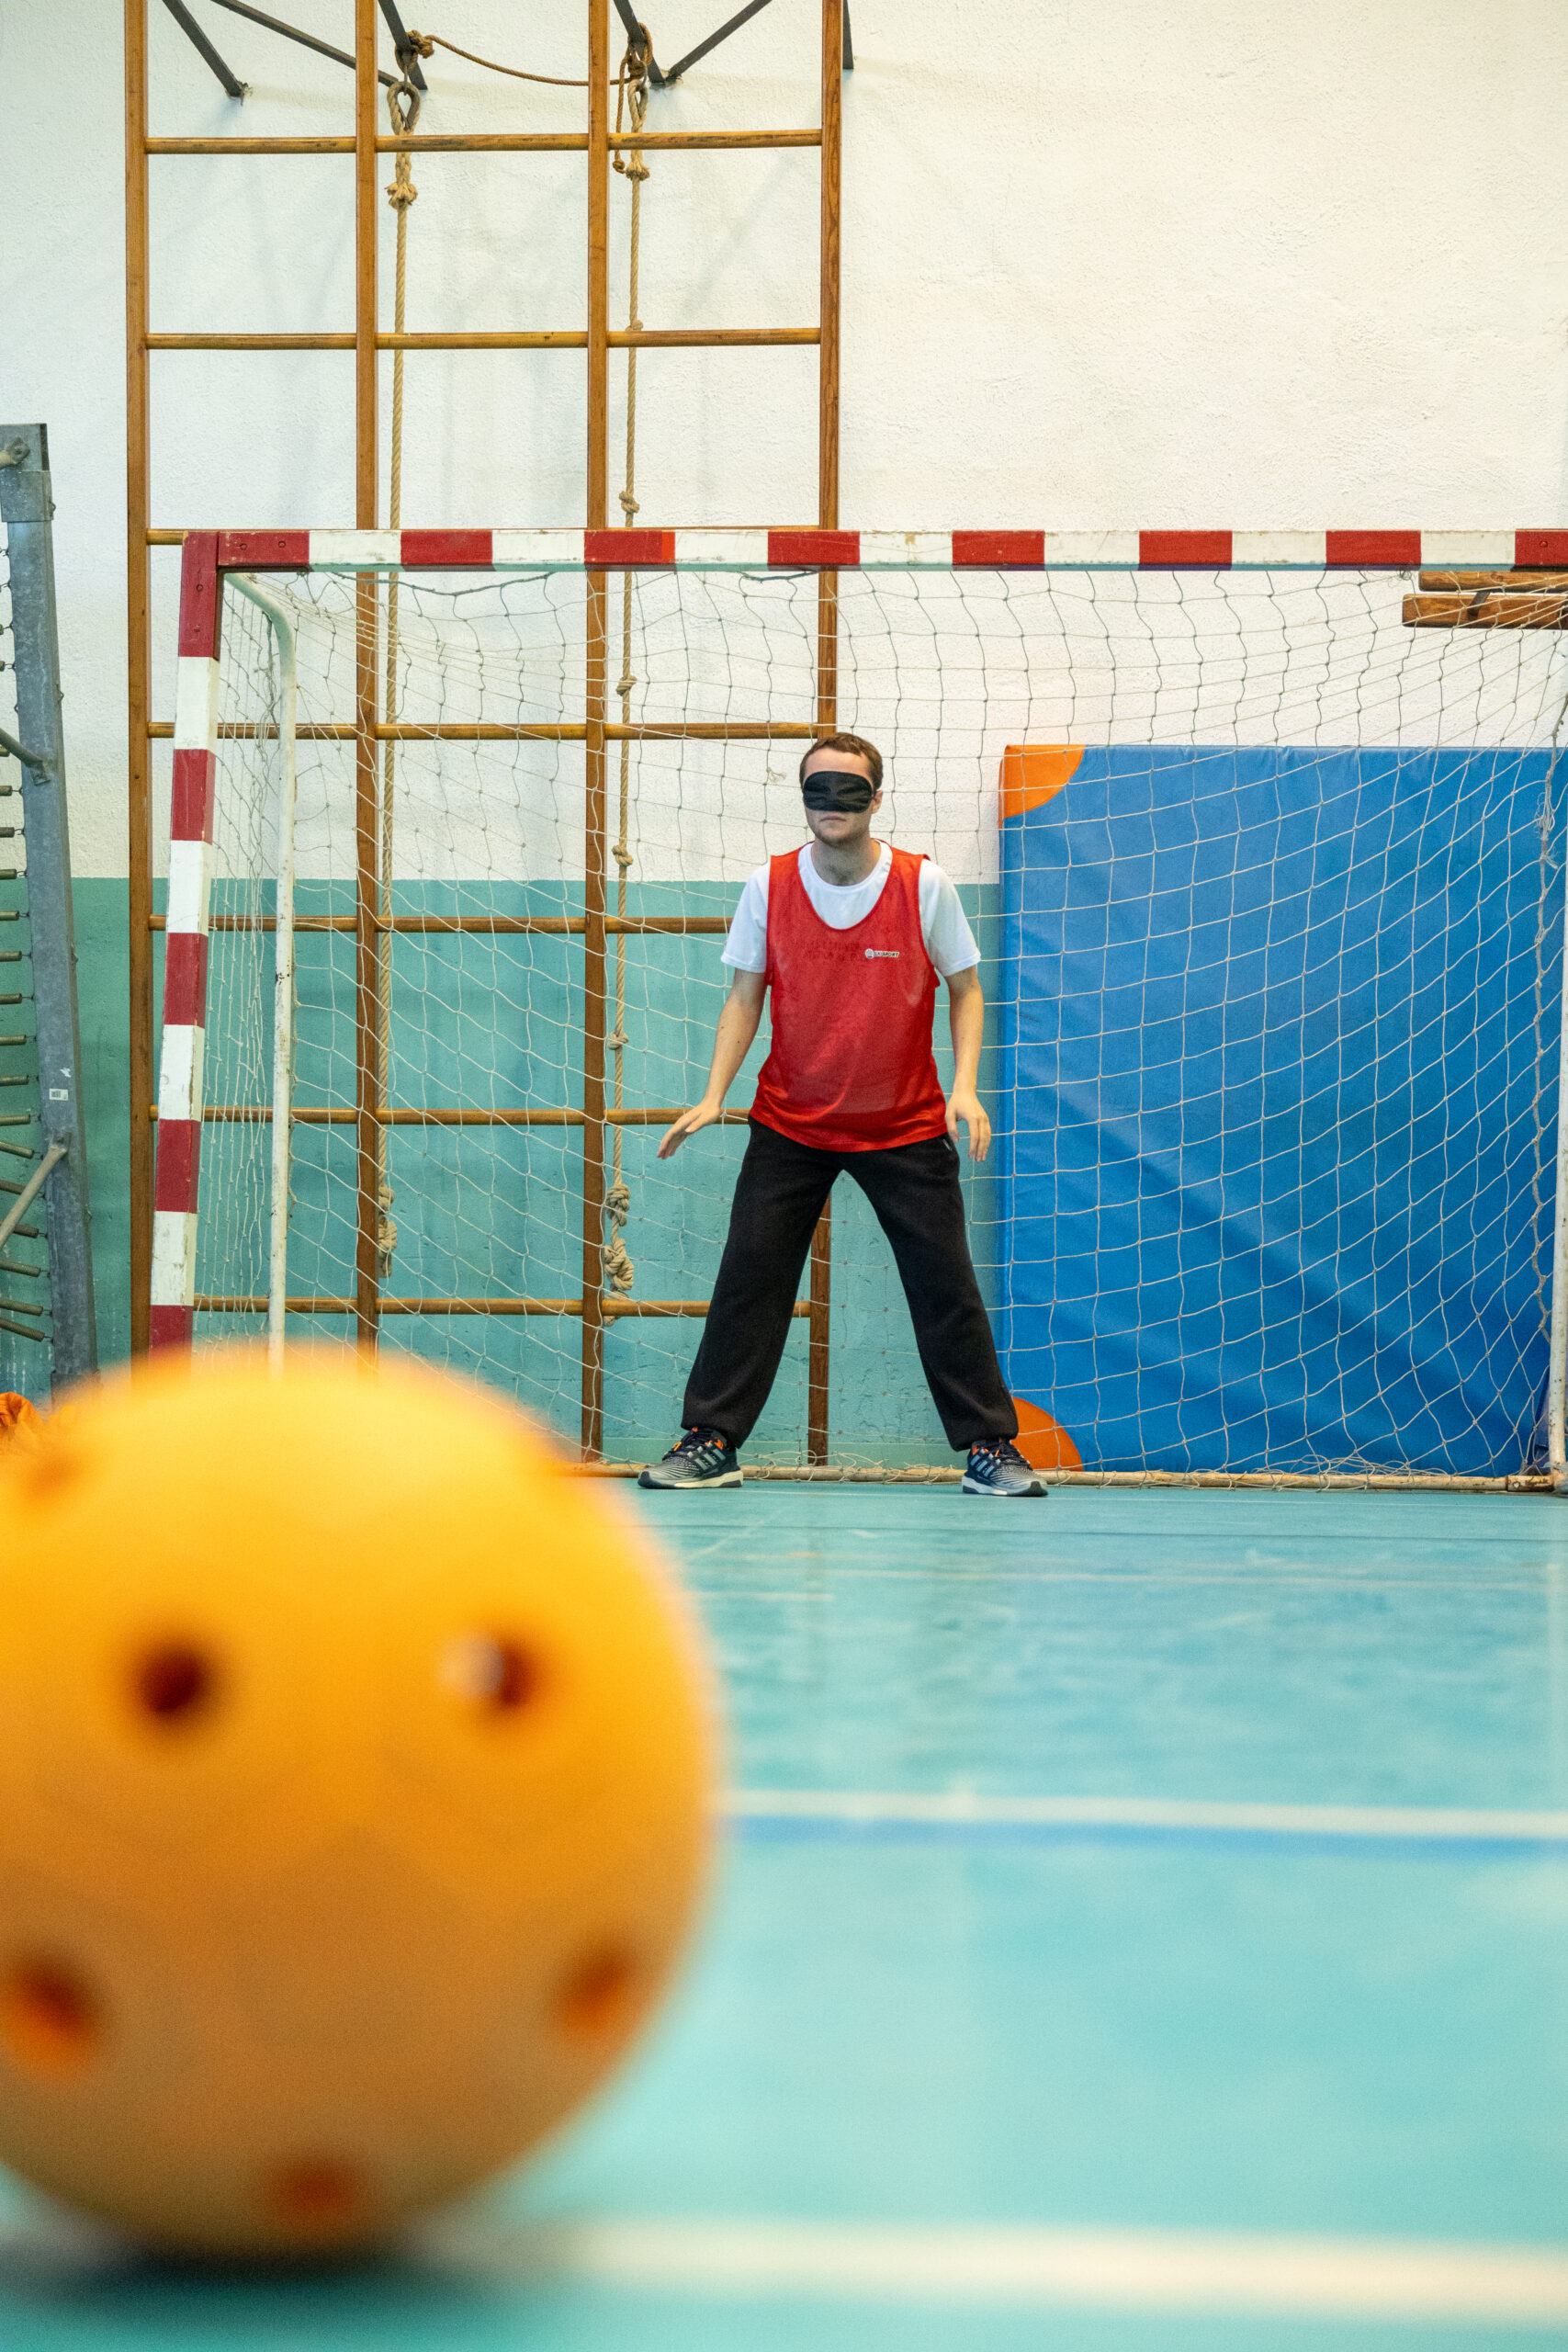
x: 779, y: 1195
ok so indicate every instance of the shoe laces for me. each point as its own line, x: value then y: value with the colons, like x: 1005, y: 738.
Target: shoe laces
x: 699, y: 1441
x: 1000, y: 1448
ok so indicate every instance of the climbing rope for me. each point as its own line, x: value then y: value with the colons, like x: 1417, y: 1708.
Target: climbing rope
x: 631, y: 100
x: 403, y: 105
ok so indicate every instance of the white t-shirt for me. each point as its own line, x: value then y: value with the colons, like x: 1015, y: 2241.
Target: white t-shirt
x: 949, y: 943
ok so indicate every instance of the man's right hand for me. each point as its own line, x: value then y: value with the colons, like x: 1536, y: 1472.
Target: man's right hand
x: 690, y: 1122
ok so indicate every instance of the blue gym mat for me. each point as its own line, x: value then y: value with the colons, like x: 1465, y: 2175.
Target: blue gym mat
x: 1278, y: 1081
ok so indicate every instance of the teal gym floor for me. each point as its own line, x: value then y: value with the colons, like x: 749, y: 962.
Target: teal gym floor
x: 1142, y: 1926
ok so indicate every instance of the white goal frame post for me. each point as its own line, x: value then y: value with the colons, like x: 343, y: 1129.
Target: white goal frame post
x: 1486, y: 578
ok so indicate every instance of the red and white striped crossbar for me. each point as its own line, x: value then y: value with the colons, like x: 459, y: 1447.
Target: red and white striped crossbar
x: 783, y: 550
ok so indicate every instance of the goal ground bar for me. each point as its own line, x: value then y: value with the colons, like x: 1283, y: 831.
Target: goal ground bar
x: 723, y: 549
x: 1351, y: 1482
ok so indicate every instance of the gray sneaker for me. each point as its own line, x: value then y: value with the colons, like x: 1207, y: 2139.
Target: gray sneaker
x: 703, y: 1457
x: 996, y: 1468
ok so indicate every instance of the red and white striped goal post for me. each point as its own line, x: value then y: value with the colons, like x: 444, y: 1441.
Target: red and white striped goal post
x: 207, y: 555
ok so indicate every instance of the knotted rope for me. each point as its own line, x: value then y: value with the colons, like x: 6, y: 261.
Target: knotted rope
x: 631, y: 100
x: 403, y: 105
x: 427, y: 45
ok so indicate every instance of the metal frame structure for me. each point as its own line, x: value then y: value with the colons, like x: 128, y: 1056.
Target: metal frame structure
x: 61, y: 1174
x: 366, y: 340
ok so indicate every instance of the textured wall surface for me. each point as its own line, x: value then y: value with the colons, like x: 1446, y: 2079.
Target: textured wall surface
x: 1173, y: 261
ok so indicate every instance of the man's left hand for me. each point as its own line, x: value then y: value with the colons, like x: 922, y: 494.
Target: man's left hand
x: 967, y: 1108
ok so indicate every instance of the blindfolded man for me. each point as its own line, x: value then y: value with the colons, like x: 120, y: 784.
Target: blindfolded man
x: 850, y: 935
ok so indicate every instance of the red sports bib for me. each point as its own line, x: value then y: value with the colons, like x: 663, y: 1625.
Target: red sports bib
x: 851, y: 1067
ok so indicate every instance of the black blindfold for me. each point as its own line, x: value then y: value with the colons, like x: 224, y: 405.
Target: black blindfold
x: 844, y: 789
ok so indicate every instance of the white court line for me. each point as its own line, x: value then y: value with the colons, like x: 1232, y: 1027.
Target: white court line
x: 959, y: 1809
x: 1146, y: 2270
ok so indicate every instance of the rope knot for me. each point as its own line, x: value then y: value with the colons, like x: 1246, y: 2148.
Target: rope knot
x: 631, y: 99
x: 616, y: 1257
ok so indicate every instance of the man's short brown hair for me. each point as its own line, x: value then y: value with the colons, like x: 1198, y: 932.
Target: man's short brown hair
x: 854, y: 744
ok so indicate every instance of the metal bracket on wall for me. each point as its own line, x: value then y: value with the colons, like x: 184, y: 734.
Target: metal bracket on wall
x: 640, y: 38
x: 27, y: 508
x: 407, y: 57
x: 233, y: 85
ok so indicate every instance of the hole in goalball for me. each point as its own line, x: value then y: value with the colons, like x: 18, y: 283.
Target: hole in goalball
x: 601, y: 1993
x: 496, y: 1675
x: 50, y: 2021
x: 175, y: 1682
x: 317, y: 2194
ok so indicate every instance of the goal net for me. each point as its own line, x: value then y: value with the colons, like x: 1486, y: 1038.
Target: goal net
x: 1268, y: 887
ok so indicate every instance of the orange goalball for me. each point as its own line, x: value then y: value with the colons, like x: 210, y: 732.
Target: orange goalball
x: 356, y: 1766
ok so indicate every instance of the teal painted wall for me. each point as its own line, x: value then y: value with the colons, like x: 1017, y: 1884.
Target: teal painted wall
x: 480, y: 1211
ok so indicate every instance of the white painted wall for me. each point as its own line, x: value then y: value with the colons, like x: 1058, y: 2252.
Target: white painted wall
x: 1112, y: 262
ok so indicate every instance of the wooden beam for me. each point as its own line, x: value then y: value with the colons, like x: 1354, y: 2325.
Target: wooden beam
x: 595, y: 844
x: 139, y: 683
x: 366, y: 828
x: 613, y: 1309
x: 1513, y: 580
x: 367, y: 227
x: 598, y: 335
x: 818, y: 1371
x: 436, y: 1115
x: 460, y: 730
x: 482, y: 926
x: 488, y: 143
x: 497, y: 926
x: 1485, y: 608
x: 501, y: 339
x: 828, y: 308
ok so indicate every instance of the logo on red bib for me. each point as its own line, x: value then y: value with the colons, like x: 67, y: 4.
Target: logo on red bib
x: 873, y: 953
